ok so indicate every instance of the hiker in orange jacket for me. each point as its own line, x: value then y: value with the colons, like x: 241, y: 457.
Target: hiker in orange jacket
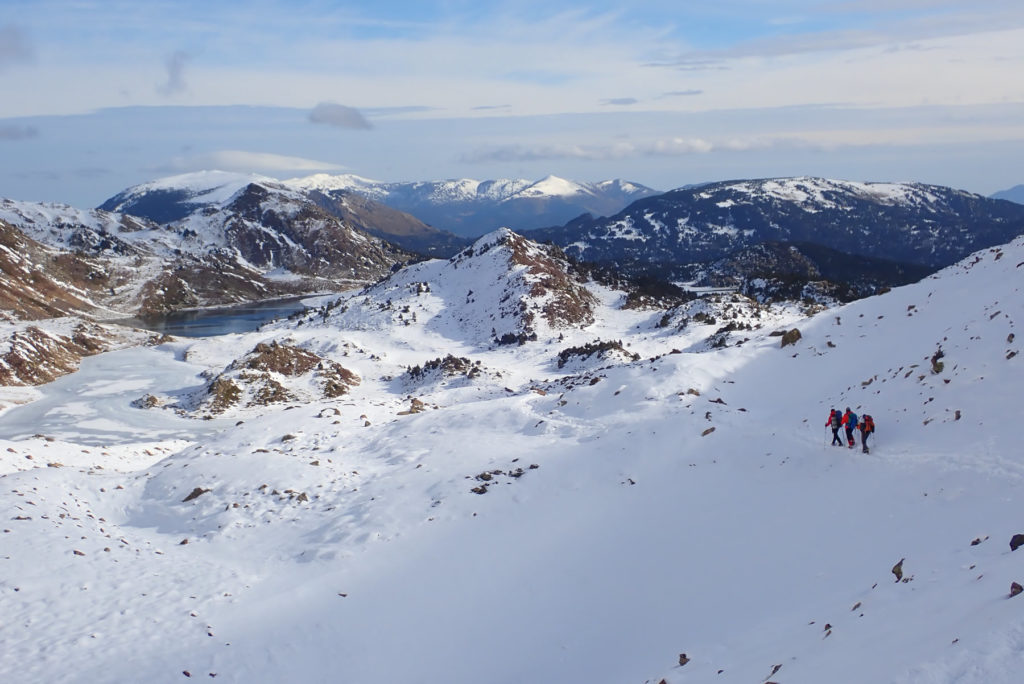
x: 866, y: 426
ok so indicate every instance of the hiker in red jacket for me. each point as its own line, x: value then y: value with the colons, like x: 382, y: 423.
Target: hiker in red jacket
x: 835, y: 421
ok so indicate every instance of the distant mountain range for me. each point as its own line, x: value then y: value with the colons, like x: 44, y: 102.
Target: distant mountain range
x: 470, y: 208
x: 435, y: 218
x: 1014, y: 194
x: 906, y: 223
x: 172, y: 199
x: 213, y: 238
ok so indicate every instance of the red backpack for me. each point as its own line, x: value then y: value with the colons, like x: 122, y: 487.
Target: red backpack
x: 868, y: 424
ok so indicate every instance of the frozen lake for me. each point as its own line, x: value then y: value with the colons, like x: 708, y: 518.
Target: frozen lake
x: 94, y: 405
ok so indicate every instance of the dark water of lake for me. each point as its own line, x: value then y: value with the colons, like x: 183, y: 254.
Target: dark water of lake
x: 220, y: 321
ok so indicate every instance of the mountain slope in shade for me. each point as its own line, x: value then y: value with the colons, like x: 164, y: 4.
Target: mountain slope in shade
x: 904, y: 222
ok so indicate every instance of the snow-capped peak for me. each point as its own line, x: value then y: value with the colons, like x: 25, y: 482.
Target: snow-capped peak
x: 326, y: 182
x: 206, y: 187
x: 553, y: 186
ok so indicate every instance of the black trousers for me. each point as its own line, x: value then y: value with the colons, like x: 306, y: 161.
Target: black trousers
x: 836, y: 439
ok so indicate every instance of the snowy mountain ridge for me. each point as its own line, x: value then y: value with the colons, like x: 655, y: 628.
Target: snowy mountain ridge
x: 911, y: 223
x: 463, y: 189
x: 465, y: 206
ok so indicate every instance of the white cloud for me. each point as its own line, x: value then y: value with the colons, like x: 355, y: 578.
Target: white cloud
x: 247, y: 162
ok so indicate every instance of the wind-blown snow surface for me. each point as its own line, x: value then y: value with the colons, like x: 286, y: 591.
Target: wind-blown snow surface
x: 350, y: 547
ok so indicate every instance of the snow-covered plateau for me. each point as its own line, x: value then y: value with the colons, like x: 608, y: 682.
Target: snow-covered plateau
x: 381, y: 492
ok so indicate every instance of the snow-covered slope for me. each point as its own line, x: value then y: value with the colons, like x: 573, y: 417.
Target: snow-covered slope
x: 174, y: 197
x: 535, y: 523
x: 503, y: 289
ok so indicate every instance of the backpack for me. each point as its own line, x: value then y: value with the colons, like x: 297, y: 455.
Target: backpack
x: 853, y: 420
x: 836, y: 419
x: 869, y: 424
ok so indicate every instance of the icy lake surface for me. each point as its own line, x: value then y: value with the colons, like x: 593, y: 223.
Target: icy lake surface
x: 221, y: 321
x: 94, y: 405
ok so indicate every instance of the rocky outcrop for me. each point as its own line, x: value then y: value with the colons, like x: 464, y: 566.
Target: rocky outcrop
x: 272, y: 373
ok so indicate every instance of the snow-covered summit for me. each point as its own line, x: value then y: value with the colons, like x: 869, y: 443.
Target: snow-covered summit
x: 502, y: 289
x: 172, y: 198
x: 818, y: 194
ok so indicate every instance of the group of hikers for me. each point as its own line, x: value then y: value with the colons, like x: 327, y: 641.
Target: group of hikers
x: 848, y: 420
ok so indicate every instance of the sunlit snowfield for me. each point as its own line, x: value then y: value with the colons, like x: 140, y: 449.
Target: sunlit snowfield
x: 340, y: 540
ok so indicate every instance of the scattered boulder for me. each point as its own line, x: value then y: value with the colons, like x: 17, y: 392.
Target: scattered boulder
x: 1015, y: 589
x: 898, y: 570
x: 415, y: 406
x: 1016, y: 541
x: 195, y: 494
x: 147, y: 401
x: 683, y: 659
x: 790, y: 337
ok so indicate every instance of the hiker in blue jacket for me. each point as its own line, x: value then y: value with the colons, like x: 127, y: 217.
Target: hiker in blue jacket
x: 850, y: 422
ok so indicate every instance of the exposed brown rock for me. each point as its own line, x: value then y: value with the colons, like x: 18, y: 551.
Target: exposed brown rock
x: 195, y: 494
x: 790, y: 337
x: 897, y: 570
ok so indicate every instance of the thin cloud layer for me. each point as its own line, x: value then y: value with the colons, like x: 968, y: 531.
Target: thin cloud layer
x: 175, y: 65
x: 244, y: 161
x: 339, y: 116
x: 17, y: 132
x: 15, y: 46
x: 525, y: 88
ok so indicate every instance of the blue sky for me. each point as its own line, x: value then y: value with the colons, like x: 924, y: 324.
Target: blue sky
x: 99, y: 94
